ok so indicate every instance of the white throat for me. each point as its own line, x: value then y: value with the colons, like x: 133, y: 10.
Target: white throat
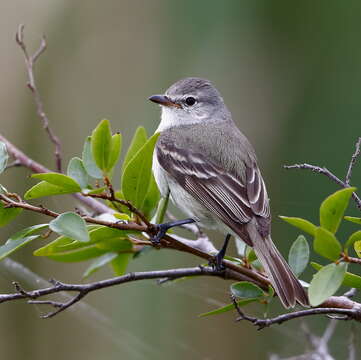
x: 173, y: 117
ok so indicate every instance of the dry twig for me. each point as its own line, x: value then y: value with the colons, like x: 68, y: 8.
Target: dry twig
x: 30, y: 61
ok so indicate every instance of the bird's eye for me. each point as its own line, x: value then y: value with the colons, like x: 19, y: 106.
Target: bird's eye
x: 190, y: 100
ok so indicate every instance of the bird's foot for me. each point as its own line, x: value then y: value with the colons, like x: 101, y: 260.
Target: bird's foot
x: 161, y: 229
x: 217, y: 260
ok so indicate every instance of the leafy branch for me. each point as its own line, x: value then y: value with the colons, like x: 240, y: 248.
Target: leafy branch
x: 128, y: 217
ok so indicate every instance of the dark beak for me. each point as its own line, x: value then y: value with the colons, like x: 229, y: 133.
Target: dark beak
x: 163, y: 100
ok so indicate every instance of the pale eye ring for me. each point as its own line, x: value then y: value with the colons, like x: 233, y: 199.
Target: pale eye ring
x: 190, y: 100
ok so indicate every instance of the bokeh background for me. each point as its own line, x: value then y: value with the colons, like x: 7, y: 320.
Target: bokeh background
x: 289, y: 71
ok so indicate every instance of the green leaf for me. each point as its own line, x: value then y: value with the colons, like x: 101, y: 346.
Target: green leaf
x: 71, y: 225
x: 78, y: 255
x: 76, y: 171
x: 326, y: 282
x: 356, y: 236
x: 333, y: 208
x: 139, y: 139
x: 88, y: 161
x: 8, y: 214
x: 300, y: 223
x: 101, y: 144
x: 120, y: 263
x: 116, y: 146
x: 60, y: 180
x: 357, y: 247
x: 99, y: 262
x: 326, y: 244
x: 299, y: 255
x: 101, y: 237
x: 4, y: 157
x: 353, y: 219
x: 161, y: 209
x: 152, y: 198
x: 228, y: 307
x: 350, y: 279
x: 250, y: 254
x: 43, y: 188
x: 246, y: 290
x: 137, y: 174
x: 20, y: 239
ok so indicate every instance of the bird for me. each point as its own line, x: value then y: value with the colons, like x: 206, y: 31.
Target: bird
x: 210, y: 171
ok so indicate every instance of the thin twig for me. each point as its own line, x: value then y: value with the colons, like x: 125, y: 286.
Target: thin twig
x: 111, y: 197
x: 30, y: 61
x: 84, y: 289
x: 329, y: 174
x: 166, y: 242
x: 36, y: 167
x: 15, y: 163
x: 263, y: 323
x: 354, y: 157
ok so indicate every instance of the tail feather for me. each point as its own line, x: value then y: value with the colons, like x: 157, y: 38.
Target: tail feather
x: 285, y: 283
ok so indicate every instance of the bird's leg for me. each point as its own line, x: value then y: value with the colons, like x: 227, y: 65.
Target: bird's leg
x: 217, y: 261
x: 161, y: 229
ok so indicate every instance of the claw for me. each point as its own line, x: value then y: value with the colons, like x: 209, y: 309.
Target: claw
x: 216, y: 262
x: 163, y: 228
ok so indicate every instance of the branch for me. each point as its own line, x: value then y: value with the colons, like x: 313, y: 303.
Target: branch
x: 354, y: 157
x: 26, y: 161
x: 30, y: 61
x: 84, y: 289
x: 349, y: 313
x: 329, y: 174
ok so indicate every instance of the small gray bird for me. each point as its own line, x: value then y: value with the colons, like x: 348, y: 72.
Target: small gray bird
x: 210, y: 170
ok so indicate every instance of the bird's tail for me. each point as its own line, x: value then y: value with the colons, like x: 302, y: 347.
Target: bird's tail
x: 285, y: 283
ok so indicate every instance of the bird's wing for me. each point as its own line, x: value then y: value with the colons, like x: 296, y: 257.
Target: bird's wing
x: 233, y: 200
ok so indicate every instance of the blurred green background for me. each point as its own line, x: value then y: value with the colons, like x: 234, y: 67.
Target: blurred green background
x: 290, y: 72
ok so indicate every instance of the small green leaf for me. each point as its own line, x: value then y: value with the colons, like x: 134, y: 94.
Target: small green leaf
x: 161, y: 209
x: 44, y: 188
x: 326, y: 282
x: 333, y: 208
x: 101, y: 144
x: 94, y: 191
x: 116, y: 146
x: 88, y: 161
x: 120, y: 263
x: 99, y: 262
x: 250, y: 254
x: 350, y: 279
x: 299, y: 255
x: 78, y: 255
x: 8, y: 214
x: 228, y: 307
x: 139, y: 139
x: 353, y: 219
x: 326, y: 244
x: 60, y: 180
x: 71, y: 225
x: 357, y: 247
x: 97, y: 234
x: 356, y: 236
x: 115, y: 244
x: 246, y: 290
x: 4, y: 157
x: 76, y: 171
x: 137, y: 174
x: 152, y: 198
x: 20, y: 239
x: 300, y: 223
